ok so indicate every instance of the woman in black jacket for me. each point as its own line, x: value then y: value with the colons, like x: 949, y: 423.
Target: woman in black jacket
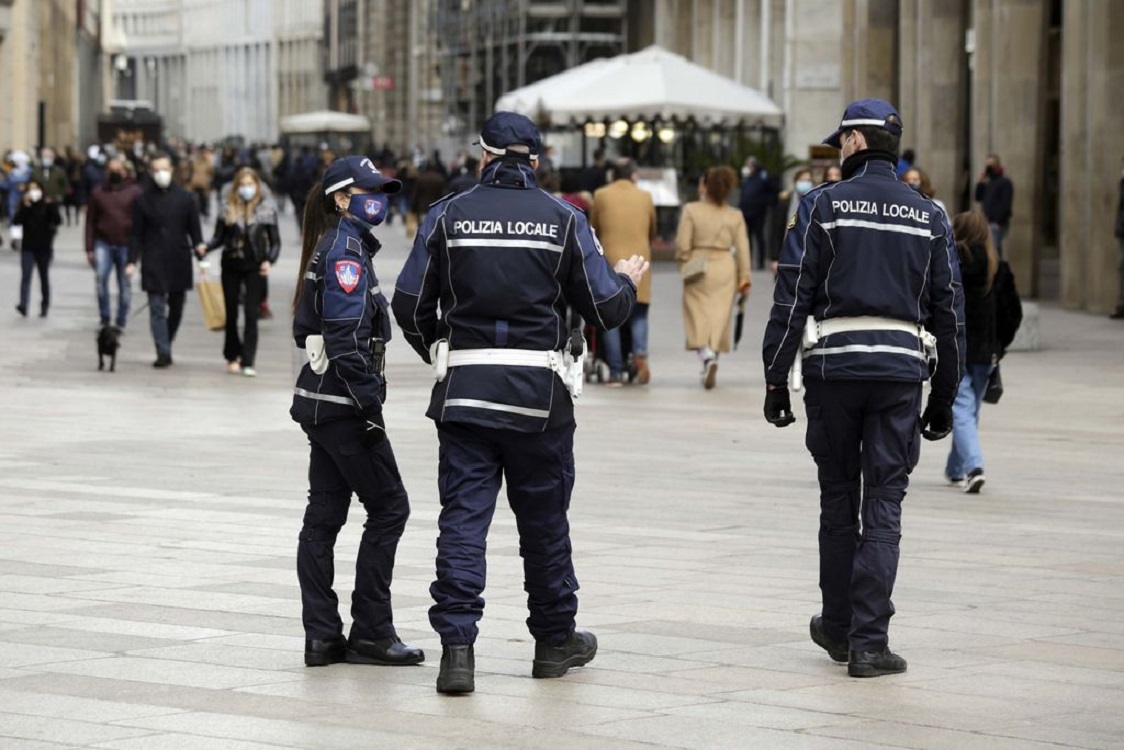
x: 247, y: 230
x: 40, y: 220
x: 978, y: 265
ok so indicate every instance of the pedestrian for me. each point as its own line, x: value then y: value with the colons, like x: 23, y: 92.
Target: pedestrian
x: 758, y: 193
x: 74, y: 199
x: 40, y: 220
x: 428, y: 189
x: 93, y: 173
x: 624, y: 218
x: 165, y: 229
x: 864, y: 299
x: 18, y: 176
x: 109, y: 230
x: 596, y: 175
x: 203, y: 178
x: 833, y: 173
x: 978, y: 265
x: 918, y: 179
x: 342, y: 321
x: 247, y: 231
x: 712, y: 239
x: 996, y: 193
x: 1118, y: 313
x: 503, y: 402
x: 802, y: 184
x: 52, y: 176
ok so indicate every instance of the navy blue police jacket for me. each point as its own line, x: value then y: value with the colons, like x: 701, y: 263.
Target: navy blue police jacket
x: 342, y: 302
x: 868, y: 246
x: 495, y: 267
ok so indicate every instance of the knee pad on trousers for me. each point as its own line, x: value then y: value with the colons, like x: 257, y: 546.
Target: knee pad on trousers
x: 882, y: 516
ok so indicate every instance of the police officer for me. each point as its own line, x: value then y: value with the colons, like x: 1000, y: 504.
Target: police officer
x: 500, y: 262
x: 342, y: 321
x: 867, y: 300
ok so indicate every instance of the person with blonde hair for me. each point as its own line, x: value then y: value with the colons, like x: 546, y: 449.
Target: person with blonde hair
x: 712, y: 247
x: 246, y: 229
x: 918, y: 179
x: 978, y: 265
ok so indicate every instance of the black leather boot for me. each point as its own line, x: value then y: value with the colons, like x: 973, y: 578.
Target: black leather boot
x: 458, y: 668
x: 836, y: 649
x: 387, y: 652
x: 554, y: 661
x: 875, y: 663
x: 318, y: 653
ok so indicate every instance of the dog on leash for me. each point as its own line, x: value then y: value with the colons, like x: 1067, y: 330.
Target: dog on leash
x: 109, y: 341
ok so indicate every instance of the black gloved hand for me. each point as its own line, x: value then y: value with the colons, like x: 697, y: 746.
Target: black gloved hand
x: 778, y: 407
x: 936, y: 420
x: 374, y: 428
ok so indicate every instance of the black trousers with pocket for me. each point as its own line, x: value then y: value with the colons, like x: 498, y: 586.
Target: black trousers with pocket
x: 865, y: 439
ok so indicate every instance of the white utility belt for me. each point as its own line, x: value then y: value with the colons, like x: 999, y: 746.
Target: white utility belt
x: 814, y: 330
x: 568, y: 367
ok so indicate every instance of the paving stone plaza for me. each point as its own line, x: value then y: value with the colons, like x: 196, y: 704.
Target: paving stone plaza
x: 148, y: 596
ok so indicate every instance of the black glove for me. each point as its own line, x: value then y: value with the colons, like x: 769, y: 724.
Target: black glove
x: 374, y: 429
x: 936, y: 421
x: 778, y: 408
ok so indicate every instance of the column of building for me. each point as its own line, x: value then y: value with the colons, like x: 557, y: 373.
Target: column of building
x: 932, y: 98
x: 1092, y: 121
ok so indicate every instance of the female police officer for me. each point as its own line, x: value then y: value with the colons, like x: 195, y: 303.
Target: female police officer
x: 341, y: 320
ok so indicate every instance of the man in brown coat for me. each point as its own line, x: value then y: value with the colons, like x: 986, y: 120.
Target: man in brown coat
x: 624, y: 218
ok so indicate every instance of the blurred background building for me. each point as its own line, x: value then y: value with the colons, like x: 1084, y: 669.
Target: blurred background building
x: 219, y: 69
x: 51, y: 85
x: 1032, y: 80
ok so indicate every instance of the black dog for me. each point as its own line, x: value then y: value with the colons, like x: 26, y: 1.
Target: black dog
x: 108, y: 343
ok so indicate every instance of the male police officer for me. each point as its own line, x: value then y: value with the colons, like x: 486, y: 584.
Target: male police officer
x: 867, y: 296
x: 501, y: 261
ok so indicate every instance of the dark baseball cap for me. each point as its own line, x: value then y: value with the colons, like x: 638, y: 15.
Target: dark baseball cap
x: 360, y: 172
x: 505, y: 129
x: 869, y: 113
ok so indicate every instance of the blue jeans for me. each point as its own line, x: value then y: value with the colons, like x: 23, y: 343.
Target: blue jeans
x: 106, y: 258
x: 31, y: 260
x: 638, y: 326
x: 998, y: 234
x: 165, y: 311
x: 965, y: 454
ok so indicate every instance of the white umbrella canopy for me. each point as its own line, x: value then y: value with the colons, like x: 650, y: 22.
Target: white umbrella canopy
x: 649, y: 84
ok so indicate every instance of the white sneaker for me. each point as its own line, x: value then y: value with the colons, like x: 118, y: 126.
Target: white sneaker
x: 975, y: 482
x: 249, y: 372
x: 959, y: 482
x: 710, y: 374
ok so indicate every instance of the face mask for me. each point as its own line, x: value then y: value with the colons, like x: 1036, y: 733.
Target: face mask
x: 101, y: 160
x: 803, y: 186
x: 35, y: 195
x: 116, y: 178
x: 368, y: 208
x: 991, y: 171
x: 746, y: 172
x: 247, y: 192
x: 843, y: 151
x: 162, y: 177
x: 916, y: 186
x: 48, y: 162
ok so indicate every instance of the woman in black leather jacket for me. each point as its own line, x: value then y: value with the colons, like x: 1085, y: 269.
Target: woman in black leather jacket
x: 247, y: 231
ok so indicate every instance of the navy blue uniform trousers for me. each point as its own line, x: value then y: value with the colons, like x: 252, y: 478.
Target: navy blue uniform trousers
x: 539, y: 471
x: 865, y: 439
x: 338, y: 466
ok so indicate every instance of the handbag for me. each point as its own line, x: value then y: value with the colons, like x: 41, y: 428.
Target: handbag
x: 211, y: 300
x: 994, y: 390
x: 693, y: 269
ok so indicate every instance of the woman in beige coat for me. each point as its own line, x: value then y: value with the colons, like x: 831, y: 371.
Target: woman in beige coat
x: 711, y: 229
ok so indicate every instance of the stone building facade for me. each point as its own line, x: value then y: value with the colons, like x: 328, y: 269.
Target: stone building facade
x: 220, y: 68
x: 1038, y: 82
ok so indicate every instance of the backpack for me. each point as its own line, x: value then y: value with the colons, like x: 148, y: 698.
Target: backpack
x: 1008, y: 306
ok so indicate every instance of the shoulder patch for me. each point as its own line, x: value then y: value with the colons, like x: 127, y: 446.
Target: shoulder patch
x: 791, y: 221
x: 347, y: 274
x: 596, y: 242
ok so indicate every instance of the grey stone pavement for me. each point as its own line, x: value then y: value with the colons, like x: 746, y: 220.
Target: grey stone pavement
x: 148, y: 525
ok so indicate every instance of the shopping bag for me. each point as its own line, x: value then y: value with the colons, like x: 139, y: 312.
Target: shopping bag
x: 210, y: 299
